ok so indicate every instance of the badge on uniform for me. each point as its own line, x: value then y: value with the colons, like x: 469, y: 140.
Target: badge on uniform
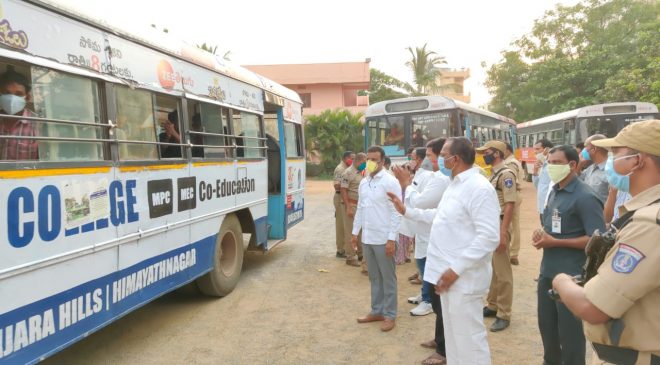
x: 508, y: 183
x: 626, y: 259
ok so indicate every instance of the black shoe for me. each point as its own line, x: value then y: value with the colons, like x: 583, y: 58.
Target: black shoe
x: 340, y: 255
x: 359, y: 257
x: 499, y: 325
x: 489, y: 312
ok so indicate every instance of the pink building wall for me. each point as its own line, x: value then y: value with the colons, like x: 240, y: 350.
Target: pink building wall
x: 325, y: 85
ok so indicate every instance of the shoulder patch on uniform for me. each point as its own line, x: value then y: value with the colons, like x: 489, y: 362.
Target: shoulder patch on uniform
x: 508, y: 182
x: 626, y: 259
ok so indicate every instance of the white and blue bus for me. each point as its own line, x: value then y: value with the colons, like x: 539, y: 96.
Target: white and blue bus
x: 399, y: 124
x: 130, y: 166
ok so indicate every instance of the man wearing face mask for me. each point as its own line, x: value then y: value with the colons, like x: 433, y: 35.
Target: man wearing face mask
x: 379, y: 222
x: 427, y: 195
x: 594, y: 175
x: 619, y: 306
x: 14, y: 95
x: 573, y: 212
x: 350, y: 183
x: 465, y: 230
x: 500, y: 294
x: 340, y: 210
x: 540, y: 176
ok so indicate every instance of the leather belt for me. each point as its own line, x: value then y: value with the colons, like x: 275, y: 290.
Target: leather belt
x: 620, y: 355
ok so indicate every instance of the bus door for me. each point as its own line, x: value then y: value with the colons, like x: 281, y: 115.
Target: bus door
x: 276, y: 154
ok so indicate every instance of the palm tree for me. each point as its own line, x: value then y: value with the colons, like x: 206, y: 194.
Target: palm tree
x: 424, y: 65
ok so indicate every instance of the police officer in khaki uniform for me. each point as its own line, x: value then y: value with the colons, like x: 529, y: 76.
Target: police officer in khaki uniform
x: 350, y: 184
x: 620, y: 305
x: 511, y: 162
x: 500, y: 294
x: 340, y: 211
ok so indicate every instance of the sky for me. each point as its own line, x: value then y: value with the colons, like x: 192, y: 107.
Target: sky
x: 466, y: 32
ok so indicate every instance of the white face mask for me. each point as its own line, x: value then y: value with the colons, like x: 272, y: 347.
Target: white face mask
x: 12, y: 104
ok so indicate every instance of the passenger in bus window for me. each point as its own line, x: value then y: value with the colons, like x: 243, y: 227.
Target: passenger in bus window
x: 170, y: 134
x: 14, y: 95
x: 418, y: 138
x: 395, y: 136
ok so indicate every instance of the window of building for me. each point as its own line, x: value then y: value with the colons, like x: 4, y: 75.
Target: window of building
x: 135, y: 122
x: 306, y: 99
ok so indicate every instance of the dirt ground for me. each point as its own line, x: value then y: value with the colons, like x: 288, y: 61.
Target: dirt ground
x: 284, y: 311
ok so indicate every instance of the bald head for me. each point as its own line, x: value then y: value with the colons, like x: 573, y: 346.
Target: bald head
x: 598, y: 154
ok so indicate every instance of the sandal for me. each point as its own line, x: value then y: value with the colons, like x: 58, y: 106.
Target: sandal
x: 435, y: 359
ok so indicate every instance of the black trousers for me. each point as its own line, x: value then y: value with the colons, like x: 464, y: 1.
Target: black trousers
x: 561, y: 332
x: 439, y: 323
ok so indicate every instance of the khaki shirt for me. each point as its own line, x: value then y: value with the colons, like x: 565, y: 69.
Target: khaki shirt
x: 505, y: 184
x: 339, y: 170
x: 517, y: 168
x: 628, y: 282
x: 350, y: 180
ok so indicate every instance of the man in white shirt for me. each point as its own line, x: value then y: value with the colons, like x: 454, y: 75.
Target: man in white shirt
x: 379, y: 222
x: 426, y: 193
x: 465, y: 231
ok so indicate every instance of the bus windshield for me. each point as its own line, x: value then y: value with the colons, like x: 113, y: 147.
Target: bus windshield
x: 425, y: 127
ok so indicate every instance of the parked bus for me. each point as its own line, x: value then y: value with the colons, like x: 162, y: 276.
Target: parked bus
x: 576, y: 125
x: 399, y: 124
x: 138, y: 166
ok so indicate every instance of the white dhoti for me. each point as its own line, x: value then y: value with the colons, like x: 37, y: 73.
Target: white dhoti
x: 466, y: 339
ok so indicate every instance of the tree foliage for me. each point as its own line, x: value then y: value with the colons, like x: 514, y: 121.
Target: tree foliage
x: 385, y: 87
x: 331, y: 133
x: 593, y: 52
x: 425, y: 66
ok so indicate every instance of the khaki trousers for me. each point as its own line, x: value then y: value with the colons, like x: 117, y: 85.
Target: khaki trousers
x: 500, y: 294
x: 340, y: 212
x: 515, y: 221
x: 348, y: 234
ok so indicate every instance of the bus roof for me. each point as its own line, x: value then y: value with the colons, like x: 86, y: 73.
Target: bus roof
x: 595, y: 110
x: 165, y: 43
x: 434, y: 103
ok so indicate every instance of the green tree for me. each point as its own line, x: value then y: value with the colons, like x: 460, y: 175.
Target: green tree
x: 593, y: 52
x: 424, y: 65
x: 385, y: 87
x: 331, y: 133
x: 213, y: 50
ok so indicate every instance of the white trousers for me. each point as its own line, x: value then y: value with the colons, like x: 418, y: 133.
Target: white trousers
x: 466, y: 339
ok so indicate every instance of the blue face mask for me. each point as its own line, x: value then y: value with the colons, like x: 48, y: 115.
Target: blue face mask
x: 362, y: 166
x: 585, y: 154
x: 442, y: 168
x: 620, y: 182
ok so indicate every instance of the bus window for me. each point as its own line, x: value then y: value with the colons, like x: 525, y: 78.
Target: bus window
x: 372, y: 139
x: 214, y: 120
x: 58, y: 95
x: 135, y: 122
x: 292, y: 140
x: 600, y: 125
x: 247, y: 129
x: 392, y: 136
x: 475, y: 136
x: 425, y: 127
x: 166, y: 111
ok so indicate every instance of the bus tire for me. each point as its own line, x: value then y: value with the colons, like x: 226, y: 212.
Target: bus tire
x: 227, y: 259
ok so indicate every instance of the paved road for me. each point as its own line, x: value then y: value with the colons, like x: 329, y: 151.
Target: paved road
x: 284, y: 311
